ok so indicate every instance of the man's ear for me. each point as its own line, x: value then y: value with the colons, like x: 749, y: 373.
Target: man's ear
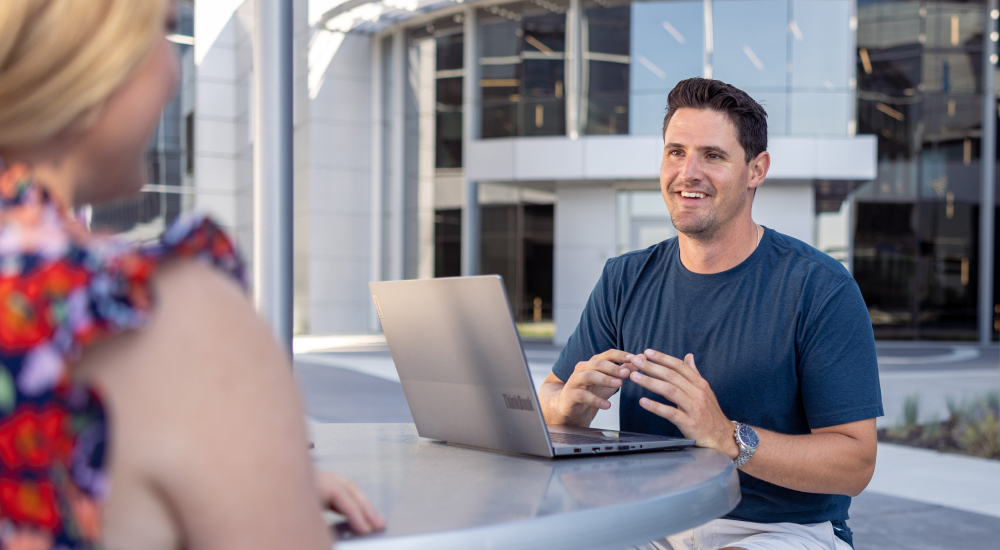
x: 758, y: 169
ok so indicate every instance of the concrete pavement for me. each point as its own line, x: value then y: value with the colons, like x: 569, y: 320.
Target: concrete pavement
x: 917, y: 498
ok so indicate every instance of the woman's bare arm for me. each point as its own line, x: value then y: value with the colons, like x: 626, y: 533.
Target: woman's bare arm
x: 208, y: 438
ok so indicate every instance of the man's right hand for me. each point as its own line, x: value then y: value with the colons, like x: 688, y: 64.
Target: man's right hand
x: 577, y: 400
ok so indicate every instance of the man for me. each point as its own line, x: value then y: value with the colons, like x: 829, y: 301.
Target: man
x: 774, y: 336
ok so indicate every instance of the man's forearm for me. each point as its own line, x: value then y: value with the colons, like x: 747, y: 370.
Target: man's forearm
x: 548, y: 393
x: 830, y: 463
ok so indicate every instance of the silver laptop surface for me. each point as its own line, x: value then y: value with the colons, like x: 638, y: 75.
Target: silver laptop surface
x: 466, y: 377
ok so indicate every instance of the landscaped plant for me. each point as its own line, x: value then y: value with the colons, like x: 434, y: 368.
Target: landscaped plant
x: 972, y: 427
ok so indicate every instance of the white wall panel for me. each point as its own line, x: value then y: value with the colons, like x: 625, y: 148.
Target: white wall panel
x: 622, y: 157
x: 584, y: 240
x: 638, y: 157
x: 548, y: 158
x: 788, y: 208
x: 491, y: 160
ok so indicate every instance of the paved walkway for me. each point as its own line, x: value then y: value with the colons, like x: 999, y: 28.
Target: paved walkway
x: 917, y: 498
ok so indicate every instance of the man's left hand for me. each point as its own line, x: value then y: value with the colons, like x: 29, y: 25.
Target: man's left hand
x: 697, y: 414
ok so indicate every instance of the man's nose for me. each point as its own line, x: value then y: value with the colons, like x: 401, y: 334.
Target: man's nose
x: 691, y: 169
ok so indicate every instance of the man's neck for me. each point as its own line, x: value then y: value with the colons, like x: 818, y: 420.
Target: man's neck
x: 724, y: 250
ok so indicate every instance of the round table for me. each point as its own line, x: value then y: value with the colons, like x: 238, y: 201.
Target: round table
x: 441, y: 496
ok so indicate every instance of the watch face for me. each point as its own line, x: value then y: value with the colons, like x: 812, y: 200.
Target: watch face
x: 749, y: 436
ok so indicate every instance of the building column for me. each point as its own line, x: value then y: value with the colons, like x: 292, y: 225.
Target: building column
x: 574, y: 68
x: 397, y: 158
x: 376, y: 183
x: 273, y: 165
x: 988, y: 159
x: 470, y: 131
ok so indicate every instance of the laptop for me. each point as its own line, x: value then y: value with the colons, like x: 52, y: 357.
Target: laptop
x: 465, y: 374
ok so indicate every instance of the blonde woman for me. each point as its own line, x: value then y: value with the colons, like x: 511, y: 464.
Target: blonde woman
x: 142, y: 403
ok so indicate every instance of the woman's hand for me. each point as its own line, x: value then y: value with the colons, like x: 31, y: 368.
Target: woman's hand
x: 341, y: 495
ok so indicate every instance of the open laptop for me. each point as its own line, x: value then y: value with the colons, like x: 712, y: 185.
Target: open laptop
x: 465, y: 375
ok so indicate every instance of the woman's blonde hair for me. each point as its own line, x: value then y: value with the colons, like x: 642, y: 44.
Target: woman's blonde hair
x: 61, y: 59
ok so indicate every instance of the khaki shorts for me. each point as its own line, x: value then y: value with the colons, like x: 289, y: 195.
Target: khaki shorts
x: 722, y: 533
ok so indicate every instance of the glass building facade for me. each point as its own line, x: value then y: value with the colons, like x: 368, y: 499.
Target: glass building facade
x: 921, y: 91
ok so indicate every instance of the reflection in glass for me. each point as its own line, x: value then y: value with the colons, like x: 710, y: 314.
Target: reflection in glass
x: 449, y: 55
x: 919, y: 69
x: 606, y: 68
x: 522, y: 69
x: 448, y: 129
x: 821, y: 33
x: 667, y: 46
x: 750, y: 42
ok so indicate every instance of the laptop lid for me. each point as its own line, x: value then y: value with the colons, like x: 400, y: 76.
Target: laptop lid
x: 461, y: 363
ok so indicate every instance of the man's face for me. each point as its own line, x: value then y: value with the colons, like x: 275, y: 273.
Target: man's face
x: 704, y: 175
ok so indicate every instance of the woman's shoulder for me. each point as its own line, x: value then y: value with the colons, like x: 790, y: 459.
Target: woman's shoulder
x: 63, y: 288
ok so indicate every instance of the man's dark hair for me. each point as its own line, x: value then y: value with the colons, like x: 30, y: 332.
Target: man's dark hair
x: 747, y: 115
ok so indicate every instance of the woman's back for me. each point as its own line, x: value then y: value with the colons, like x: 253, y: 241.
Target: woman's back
x: 201, y: 399
x: 143, y: 404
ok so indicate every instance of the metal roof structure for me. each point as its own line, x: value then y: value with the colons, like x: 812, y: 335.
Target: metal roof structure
x: 372, y: 16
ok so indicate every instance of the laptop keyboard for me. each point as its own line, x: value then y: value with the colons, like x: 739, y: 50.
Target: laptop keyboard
x: 577, y: 439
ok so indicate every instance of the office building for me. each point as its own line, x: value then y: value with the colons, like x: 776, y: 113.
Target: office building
x: 438, y: 138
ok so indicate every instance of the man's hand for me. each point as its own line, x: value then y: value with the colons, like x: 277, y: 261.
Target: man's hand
x: 697, y: 414
x: 341, y: 495
x: 587, y: 390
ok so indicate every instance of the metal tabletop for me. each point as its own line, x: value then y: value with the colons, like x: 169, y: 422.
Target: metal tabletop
x: 441, y: 496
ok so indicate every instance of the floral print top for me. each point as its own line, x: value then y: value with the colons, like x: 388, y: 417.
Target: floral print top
x: 61, y: 289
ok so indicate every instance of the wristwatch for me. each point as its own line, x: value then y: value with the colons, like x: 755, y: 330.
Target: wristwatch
x: 747, y: 440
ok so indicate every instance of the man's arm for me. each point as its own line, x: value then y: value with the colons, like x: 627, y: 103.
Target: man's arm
x: 576, y: 401
x: 833, y: 460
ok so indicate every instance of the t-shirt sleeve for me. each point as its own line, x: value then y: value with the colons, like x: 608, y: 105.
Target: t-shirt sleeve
x: 838, y: 365
x: 596, y: 332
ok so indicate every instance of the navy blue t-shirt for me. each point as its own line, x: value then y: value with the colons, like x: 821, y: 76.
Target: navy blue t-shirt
x: 784, y: 340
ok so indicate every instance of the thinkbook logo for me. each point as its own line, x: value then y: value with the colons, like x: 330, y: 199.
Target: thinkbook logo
x: 378, y: 308
x: 518, y: 402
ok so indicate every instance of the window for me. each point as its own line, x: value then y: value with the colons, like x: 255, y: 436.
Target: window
x: 606, y: 67
x: 667, y: 46
x: 522, y: 69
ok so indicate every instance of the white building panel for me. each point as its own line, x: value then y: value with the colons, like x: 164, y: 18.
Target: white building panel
x: 491, y: 160
x: 788, y: 208
x: 584, y: 240
x: 638, y: 157
x: 622, y: 157
x: 547, y: 158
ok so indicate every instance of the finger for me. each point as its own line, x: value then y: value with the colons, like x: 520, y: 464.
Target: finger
x: 594, y: 378
x: 662, y: 410
x: 666, y: 374
x: 608, y: 367
x: 616, y: 355
x: 589, y: 398
x: 673, y: 363
x: 666, y: 389
x: 689, y: 360
x: 375, y: 519
x: 345, y: 505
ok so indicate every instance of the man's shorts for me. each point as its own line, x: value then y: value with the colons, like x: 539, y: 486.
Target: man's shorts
x: 722, y: 533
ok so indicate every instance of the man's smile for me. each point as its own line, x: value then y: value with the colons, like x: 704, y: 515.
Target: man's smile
x: 693, y: 195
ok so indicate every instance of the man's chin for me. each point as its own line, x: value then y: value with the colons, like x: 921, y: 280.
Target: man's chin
x: 695, y: 229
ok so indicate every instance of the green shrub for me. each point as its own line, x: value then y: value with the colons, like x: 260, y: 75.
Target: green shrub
x: 911, y: 411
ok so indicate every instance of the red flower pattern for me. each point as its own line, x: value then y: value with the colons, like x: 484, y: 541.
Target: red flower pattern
x: 51, y: 308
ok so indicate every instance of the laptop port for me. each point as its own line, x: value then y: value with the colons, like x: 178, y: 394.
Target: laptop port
x: 609, y: 448
x: 595, y: 449
x: 623, y: 447
x: 575, y: 450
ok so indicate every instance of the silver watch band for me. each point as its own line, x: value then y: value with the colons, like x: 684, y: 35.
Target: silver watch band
x: 746, y: 452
